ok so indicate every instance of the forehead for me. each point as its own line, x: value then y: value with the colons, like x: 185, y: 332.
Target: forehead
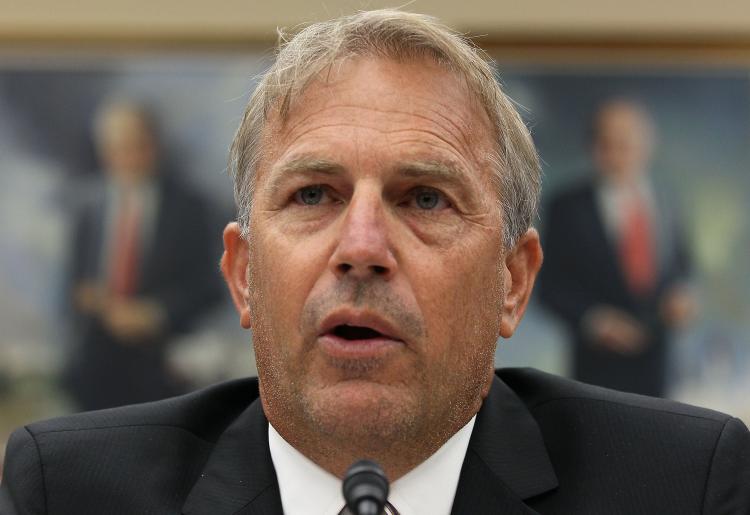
x: 391, y: 107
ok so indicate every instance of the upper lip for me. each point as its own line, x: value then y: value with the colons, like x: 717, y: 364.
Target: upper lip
x: 359, y: 319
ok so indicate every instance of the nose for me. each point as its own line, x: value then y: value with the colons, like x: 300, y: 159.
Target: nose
x: 364, y: 248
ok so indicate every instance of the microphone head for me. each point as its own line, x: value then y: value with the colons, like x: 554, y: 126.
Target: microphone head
x: 365, y: 488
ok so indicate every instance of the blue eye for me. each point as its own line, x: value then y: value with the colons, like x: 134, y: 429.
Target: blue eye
x: 309, y: 195
x: 429, y: 199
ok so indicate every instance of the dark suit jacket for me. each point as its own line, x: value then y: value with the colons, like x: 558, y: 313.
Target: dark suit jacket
x: 541, y: 444
x: 582, y: 270
x: 104, y: 371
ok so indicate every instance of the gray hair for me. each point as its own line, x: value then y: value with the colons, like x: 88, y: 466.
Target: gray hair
x: 396, y: 35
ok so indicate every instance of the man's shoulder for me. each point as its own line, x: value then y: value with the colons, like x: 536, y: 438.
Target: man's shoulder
x: 623, y: 431
x: 541, y: 391
x: 203, y: 413
x: 578, y: 197
x: 574, y: 192
x: 121, y: 460
x: 634, y: 454
x: 175, y: 189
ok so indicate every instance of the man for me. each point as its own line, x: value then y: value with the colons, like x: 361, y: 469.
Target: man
x: 385, y: 189
x: 617, y: 267
x: 137, y: 243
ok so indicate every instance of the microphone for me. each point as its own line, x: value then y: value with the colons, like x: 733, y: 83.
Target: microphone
x: 365, y: 488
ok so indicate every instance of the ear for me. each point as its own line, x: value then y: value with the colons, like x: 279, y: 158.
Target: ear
x: 521, y: 267
x: 234, y: 263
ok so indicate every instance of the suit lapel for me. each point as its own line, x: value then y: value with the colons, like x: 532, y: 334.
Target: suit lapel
x: 238, y: 477
x: 506, y: 461
x: 93, y: 266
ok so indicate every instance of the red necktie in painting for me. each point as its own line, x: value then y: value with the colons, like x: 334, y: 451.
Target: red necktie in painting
x: 637, y: 253
x: 124, y: 271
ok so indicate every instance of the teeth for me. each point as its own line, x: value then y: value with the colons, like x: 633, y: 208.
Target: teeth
x: 352, y: 332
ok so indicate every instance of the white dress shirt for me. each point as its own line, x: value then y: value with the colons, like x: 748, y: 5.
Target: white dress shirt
x: 429, y: 489
x: 613, y: 201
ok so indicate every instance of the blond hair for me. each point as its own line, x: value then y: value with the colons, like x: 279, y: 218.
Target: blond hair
x: 396, y: 35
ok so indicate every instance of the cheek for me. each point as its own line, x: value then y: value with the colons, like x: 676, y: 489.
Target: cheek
x: 461, y: 300
x: 281, y: 274
x: 283, y: 271
x: 437, y: 231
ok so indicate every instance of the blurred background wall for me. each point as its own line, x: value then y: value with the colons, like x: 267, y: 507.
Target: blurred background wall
x: 238, y: 20
x: 194, y: 63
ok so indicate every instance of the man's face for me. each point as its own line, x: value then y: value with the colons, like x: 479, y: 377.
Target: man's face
x: 376, y: 269
x: 622, y: 145
x: 127, y: 147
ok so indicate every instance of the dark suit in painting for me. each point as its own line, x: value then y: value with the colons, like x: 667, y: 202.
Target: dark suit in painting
x: 541, y: 444
x: 582, y: 270
x: 177, y: 271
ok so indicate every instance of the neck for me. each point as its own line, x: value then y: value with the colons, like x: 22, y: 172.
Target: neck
x: 397, y: 453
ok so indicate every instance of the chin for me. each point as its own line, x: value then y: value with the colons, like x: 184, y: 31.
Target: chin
x: 363, y: 410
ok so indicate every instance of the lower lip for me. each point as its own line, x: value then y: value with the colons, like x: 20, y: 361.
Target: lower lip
x: 342, y: 348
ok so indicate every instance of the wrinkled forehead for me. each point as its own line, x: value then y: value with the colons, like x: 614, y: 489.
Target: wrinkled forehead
x: 414, y: 91
x: 413, y: 58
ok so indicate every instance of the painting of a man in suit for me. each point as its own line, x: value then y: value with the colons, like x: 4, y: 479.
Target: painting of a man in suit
x: 138, y: 240
x: 617, y: 265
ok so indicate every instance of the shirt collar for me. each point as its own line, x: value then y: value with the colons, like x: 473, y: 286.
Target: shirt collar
x: 429, y: 488
x: 614, y: 201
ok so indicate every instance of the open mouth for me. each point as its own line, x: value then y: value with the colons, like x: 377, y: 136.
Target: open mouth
x: 353, y: 332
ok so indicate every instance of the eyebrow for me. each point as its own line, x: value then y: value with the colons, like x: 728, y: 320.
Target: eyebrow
x: 302, y: 165
x: 442, y: 171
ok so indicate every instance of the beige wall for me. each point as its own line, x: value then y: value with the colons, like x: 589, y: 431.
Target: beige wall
x: 249, y: 21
